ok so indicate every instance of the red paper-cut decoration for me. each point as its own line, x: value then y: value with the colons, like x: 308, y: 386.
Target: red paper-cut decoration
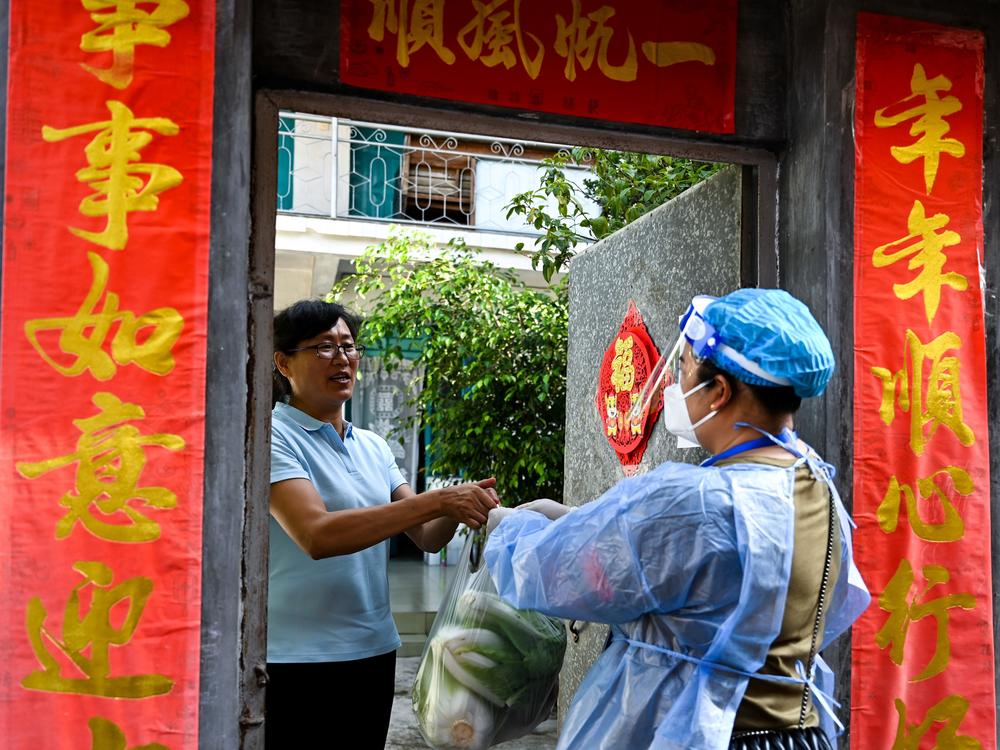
x: 625, y: 367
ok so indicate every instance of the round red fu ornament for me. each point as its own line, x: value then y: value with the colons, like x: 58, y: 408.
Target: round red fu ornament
x: 625, y: 368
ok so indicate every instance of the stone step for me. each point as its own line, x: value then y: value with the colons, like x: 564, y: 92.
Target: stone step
x: 418, y: 623
x: 413, y: 628
x: 413, y: 644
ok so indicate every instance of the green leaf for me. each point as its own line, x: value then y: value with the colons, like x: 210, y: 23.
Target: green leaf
x: 488, y: 348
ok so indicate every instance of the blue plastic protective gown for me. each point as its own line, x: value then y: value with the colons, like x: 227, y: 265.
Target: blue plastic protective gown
x: 690, y: 566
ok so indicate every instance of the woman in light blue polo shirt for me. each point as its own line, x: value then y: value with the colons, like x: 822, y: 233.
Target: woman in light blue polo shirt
x: 337, y: 497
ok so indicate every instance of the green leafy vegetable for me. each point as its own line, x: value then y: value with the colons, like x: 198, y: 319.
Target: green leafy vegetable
x: 491, y: 674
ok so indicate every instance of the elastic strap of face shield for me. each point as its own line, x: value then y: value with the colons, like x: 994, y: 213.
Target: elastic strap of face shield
x: 698, y: 332
x: 704, y: 340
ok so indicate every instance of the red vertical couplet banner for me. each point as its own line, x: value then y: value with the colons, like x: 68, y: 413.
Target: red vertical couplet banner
x: 923, y: 652
x: 105, y: 285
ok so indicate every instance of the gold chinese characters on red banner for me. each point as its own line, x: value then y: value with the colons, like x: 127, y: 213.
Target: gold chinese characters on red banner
x: 104, y: 319
x: 661, y: 62
x: 923, y: 653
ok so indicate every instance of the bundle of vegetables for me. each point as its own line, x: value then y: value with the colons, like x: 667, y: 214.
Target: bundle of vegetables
x: 489, y: 671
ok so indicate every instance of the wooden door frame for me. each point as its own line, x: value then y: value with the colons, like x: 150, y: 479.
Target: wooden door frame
x: 759, y: 267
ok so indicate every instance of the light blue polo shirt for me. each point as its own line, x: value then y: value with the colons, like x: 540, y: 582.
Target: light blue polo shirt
x: 334, y: 609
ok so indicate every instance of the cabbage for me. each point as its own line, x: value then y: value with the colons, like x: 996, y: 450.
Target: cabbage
x: 490, y: 674
x: 540, y: 641
x: 450, y: 716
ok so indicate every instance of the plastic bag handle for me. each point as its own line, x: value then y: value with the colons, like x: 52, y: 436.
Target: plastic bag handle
x: 476, y: 550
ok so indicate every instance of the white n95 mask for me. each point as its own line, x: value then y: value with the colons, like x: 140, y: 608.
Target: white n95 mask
x: 676, y: 419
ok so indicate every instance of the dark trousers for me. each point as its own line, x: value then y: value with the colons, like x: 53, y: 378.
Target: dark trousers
x: 342, y: 705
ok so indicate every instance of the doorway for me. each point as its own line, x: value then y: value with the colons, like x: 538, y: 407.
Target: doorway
x: 274, y: 189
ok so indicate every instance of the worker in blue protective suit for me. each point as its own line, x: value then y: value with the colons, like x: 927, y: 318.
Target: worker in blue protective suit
x: 721, y: 582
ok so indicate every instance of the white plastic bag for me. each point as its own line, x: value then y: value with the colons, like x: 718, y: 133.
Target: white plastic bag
x: 488, y: 672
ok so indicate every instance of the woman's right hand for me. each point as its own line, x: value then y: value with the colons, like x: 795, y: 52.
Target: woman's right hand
x: 469, y: 503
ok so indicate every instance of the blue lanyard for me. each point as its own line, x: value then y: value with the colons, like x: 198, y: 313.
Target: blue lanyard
x: 749, y: 445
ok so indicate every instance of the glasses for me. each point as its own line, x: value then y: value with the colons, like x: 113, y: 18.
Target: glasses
x: 327, y: 350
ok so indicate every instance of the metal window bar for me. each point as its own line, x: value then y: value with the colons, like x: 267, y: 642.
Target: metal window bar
x: 350, y: 169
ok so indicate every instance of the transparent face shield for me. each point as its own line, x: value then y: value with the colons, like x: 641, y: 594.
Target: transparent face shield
x: 664, y: 374
x: 697, y: 332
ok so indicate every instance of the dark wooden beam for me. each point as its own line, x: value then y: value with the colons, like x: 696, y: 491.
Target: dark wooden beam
x: 507, y: 126
x: 259, y: 367
x: 297, y: 48
x: 815, y: 248
x: 227, y: 604
x: 991, y: 251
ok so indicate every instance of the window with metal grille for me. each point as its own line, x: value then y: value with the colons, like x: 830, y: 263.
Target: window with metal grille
x: 439, y: 179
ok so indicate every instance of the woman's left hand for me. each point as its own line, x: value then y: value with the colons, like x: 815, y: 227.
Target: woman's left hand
x: 469, y: 503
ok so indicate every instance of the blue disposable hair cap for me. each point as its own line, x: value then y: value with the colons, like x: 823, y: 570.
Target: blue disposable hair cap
x: 763, y: 337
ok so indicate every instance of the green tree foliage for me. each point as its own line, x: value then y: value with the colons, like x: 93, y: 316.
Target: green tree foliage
x: 625, y: 185
x: 493, y: 354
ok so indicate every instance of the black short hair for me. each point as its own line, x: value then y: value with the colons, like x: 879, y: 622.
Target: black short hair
x: 777, y: 400
x: 303, y: 320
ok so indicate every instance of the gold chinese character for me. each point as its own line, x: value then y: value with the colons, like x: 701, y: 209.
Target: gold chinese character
x: 106, y: 735
x: 950, y: 711
x: 86, y: 639
x: 665, y: 54
x: 924, y: 246
x: 940, y: 405
x: 622, y: 366
x: 83, y: 335
x: 121, y: 183
x: 577, y: 42
x: 950, y: 529
x: 121, y: 27
x: 902, y: 612
x: 497, y: 38
x: 930, y: 124
x: 111, y: 458
x: 415, y: 23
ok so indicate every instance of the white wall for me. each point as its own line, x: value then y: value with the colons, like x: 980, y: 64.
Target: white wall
x: 312, y: 167
x: 310, y: 244
x: 308, y: 252
x: 498, y: 182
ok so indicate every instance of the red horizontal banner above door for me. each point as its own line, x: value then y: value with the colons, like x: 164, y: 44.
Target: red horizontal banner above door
x: 665, y: 62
